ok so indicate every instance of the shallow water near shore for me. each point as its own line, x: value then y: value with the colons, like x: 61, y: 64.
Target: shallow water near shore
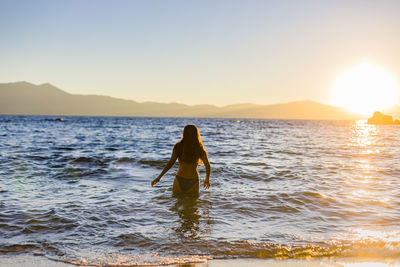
x: 37, y: 261
x: 79, y: 190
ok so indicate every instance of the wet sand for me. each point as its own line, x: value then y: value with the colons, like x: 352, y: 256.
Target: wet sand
x: 28, y: 260
x: 335, y: 262
x: 39, y: 261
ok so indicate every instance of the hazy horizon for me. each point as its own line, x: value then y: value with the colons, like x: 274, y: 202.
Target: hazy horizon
x: 161, y: 102
x: 207, y: 52
x: 25, y: 98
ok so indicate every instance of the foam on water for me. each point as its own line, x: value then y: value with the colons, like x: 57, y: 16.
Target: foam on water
x: 138, y: 260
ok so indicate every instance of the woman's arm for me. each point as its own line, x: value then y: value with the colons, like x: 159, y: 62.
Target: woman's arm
x: 206, y: 182
x: 170, y: 163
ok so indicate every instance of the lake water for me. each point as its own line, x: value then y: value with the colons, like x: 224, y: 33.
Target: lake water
x: 79, y: 190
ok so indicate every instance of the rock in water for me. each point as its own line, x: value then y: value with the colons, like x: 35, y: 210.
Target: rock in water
x: 380, y: 118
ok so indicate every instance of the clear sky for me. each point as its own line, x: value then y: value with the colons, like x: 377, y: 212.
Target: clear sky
x: 196, y: 52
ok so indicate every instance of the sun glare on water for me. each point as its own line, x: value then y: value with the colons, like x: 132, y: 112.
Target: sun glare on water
x: 365, y: 88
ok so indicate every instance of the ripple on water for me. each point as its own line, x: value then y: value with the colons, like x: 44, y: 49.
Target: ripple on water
x: 81, y: 192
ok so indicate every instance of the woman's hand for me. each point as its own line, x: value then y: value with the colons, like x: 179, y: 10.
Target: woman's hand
x: 155, y: 181
x: 206, y: 183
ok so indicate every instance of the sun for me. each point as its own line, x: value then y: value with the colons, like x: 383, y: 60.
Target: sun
x: 365, y: 88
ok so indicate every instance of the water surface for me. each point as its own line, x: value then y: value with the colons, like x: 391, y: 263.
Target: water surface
x: 79, y: 190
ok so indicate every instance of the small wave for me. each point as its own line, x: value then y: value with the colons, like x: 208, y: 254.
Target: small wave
x: 361, y: 248
x: 287, y: 152
x: 111, y: 148
x: 133, y: 239
x: 152, y: 163
x: 248, y: 249
x: 124, y: 160
x: 86, y: 160
x: 38, y: 157
x: 20, y: 248
x: 64, y: 148
x: 75, y: 173
x: 35, y: 229
x: 142, y: 260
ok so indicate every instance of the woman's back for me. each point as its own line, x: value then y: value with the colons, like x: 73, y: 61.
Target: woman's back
x: 190, y: 152
x: 188, y: 169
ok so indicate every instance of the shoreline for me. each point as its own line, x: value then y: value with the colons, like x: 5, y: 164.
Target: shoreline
x: 42, y: 261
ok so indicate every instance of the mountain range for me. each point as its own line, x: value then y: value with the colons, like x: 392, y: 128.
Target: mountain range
x: 25, y: 98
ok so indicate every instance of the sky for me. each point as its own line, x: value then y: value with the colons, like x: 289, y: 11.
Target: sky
x: 196, y: 52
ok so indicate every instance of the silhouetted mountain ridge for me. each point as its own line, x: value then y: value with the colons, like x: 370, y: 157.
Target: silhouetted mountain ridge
x: 45, y: 99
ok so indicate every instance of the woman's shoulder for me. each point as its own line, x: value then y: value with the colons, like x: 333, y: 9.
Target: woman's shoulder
x: 177, y: 145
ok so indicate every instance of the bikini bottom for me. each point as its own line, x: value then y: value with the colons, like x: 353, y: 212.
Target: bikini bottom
x: 185, y: 183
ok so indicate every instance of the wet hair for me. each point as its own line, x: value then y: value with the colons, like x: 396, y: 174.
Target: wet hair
x: 190, y: 148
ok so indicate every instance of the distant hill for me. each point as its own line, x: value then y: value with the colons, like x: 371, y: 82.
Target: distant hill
x: 28, y: 99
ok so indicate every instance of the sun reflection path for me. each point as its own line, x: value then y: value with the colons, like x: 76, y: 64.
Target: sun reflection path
x: 362, y: 145
x: 364, y: 132
x: 364, y: 185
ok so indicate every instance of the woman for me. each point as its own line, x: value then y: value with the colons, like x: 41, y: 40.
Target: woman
x: 190, y: 152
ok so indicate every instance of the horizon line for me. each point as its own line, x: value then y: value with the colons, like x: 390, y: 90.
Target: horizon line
x: 173, y: 102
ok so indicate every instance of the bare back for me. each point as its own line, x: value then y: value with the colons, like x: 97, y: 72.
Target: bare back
x: 188, y: 170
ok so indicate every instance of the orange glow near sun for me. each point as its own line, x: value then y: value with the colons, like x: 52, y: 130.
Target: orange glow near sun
x: 365, y: 88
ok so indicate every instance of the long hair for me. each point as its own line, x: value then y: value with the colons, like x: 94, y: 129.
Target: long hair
x: 190, y: 148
